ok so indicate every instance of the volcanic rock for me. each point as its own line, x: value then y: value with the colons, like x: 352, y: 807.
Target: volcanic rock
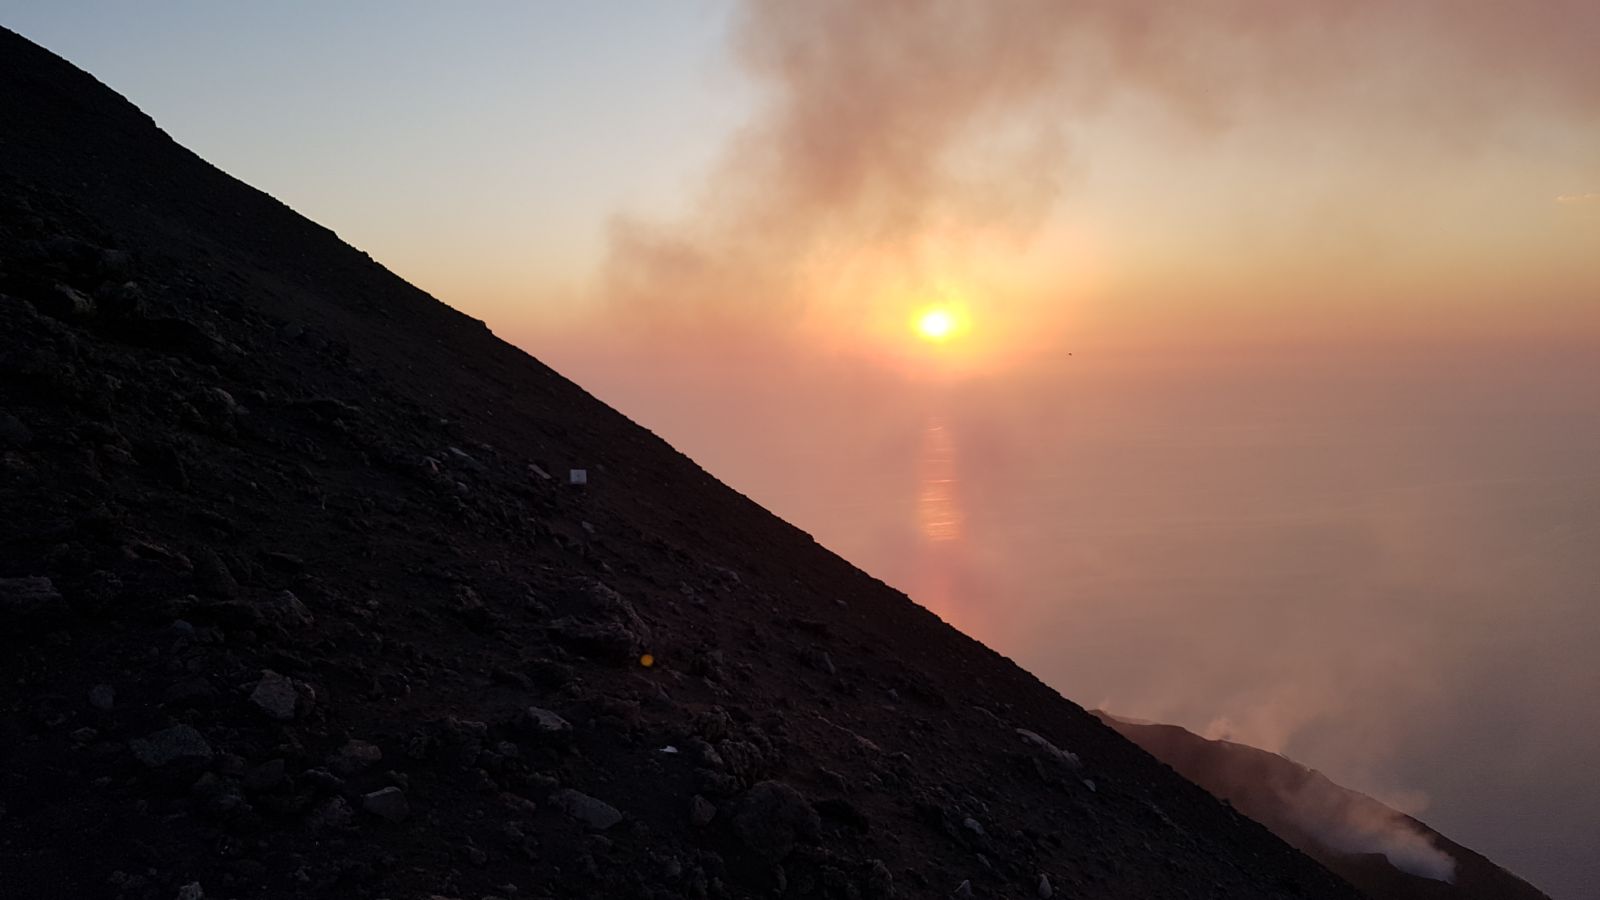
x: 178, y: 744
x: 278, y: 696
x: 103, y: 697
x: 13, y: 434
x: 701, y: 811
x: 286, y: 609
x: 268, y: 776
x: 772, y: 818
x: 333, y: 813
x: 354, y: 757
x: 1055, y: 752
x: 30, y: 599
x: 387, y: 803
x: 546, y: 724
x: 597, y: 815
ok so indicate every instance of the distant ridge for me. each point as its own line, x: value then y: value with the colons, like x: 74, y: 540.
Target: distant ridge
x: 1384, y: 853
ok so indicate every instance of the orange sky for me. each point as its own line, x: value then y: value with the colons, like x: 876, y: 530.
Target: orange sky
x: 1089, y: 174
x: 1272, y: 407
x: 1085, y: 174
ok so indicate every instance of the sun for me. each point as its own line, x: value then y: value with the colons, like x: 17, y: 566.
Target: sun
x: 936, y: 325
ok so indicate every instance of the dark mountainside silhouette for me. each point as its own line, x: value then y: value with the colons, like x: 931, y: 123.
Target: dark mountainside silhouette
x: 1339, y: 827
x: 289, y: 607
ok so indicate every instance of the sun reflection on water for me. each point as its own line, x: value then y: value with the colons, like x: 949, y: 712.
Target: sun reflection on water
x: 938, y: 508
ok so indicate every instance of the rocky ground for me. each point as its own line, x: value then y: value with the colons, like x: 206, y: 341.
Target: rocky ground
x: 296, y: 601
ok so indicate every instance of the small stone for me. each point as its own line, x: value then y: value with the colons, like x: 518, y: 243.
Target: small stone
x: 964, y: 889
x: 518, y: 803
x: 192, y: 891
x: 287, y: 610
x: 835, y: 781
x: 123, y: 301
x: 33, y: 597
x: 194, y: 691
x: 972, y: 825
x: 545, y: 723
x: 68, y: 303
x: 180, y: 743
x: 387, y: 803
x: 114, y: 263
x: 268, y: 776
x: 216, y: 796
x: 222, y: 400
x: 212, y: 575
x: 334, y: 813
x: 1038, y: 740
x: 282, y: 561
x: 14, y: 434
x: 354, y: 756
x: 880, y: 881
x: 321, y: 779
x: 701, y: 811
x: 103, y: 697
x: 597, y: 815
x: 610, y: 641
x: 276, y: 696
x: 1045, y: 890
x: 457, y: 456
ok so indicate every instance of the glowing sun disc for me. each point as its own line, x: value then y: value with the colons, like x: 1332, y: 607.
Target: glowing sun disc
x: 936, y: 324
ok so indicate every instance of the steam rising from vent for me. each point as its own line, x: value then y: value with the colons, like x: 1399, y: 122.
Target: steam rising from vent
x: 1340, y: 819
x: 1347, y: 822
x: 1298, y: 804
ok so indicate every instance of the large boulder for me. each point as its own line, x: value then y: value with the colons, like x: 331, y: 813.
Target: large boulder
x: 772, y: 818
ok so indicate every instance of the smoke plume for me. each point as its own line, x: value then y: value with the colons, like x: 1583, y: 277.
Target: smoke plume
x: 895, y: 141
x: 1347, y: 822
x: 1300, y: 805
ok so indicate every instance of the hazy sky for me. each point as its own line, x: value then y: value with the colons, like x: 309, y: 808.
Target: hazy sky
x: 1273, y: 398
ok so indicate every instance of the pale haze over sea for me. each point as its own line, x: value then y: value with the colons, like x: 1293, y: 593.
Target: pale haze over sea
x: 1382, y: 567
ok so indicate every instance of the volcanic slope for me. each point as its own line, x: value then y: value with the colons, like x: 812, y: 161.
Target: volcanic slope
x: 289, y: 608
x: 1385, y: 853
